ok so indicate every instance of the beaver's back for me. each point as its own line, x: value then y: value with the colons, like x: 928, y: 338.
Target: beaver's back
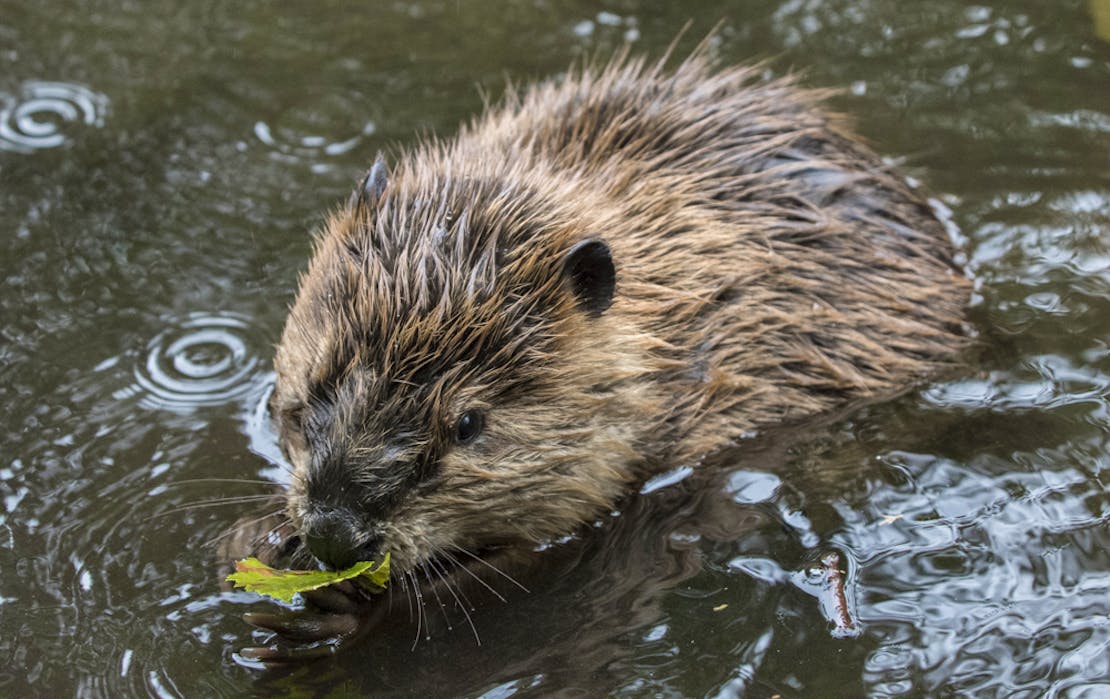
x: 781, y: 265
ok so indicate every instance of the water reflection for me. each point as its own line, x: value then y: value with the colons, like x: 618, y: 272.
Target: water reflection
x: 35, y: 118
x: 258, y: 426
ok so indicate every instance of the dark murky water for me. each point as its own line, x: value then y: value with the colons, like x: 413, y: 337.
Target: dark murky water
x: 160, y: 165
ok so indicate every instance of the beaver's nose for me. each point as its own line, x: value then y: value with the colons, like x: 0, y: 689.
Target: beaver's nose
x: 334, y: 539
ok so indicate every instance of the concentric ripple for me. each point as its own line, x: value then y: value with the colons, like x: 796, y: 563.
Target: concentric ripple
x: 34, y: 119
x: 202, y: 362
x: 299, y: 136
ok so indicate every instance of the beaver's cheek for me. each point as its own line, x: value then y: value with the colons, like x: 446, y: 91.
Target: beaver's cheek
x: 295, y: 502
x: 406, y: 542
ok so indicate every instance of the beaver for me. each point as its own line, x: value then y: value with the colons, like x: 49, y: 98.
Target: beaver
x: 599, y: 277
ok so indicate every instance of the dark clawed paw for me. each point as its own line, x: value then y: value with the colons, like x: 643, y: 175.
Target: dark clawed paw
x: 335, y: 618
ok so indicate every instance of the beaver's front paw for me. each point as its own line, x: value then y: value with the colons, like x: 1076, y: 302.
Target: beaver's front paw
x: 334, y: 618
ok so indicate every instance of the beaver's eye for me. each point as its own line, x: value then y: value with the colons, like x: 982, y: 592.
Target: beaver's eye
x: 468, y: 427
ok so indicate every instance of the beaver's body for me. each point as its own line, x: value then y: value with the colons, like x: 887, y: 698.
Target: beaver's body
x: 461, y: 367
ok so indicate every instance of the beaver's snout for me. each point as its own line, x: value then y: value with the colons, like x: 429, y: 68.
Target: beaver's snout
x: 336, y: 540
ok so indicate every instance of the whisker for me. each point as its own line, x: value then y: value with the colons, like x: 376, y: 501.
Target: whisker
x: 445, y: 575
x: 246, y: 481
x: 466, y: 614
x: 419, y: 619
x: 244, y: 500
x: 232, y: 500
x: 421, y: 611
x: 423, y: 608
x: 471, y: 573
x: 408, y: 595
x: 241, y: 525
x: 442, y: 606
x: 491, y: 567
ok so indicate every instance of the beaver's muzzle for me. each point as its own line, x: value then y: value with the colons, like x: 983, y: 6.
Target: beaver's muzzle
x: 335, y: 538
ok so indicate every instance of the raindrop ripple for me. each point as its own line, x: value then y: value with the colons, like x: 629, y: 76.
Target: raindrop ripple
x: 203, y: 361
x: 33, y: 120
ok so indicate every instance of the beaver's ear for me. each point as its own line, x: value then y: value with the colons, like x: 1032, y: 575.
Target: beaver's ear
x: 593, y: 278
x: 372, y: 186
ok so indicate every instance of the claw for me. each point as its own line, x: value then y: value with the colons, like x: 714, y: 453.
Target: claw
x: 276, y: 655
x: 336, y: 618
x: 304, y: 626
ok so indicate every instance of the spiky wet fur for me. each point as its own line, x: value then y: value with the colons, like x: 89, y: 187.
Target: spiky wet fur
x: 769, y: 267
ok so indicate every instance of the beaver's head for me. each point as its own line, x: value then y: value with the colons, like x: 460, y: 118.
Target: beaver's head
x: 451, y: 375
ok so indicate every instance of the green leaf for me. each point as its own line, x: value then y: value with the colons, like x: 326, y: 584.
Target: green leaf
x: 253, y: 575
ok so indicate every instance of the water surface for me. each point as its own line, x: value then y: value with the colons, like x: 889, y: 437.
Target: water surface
x: 161, y: 166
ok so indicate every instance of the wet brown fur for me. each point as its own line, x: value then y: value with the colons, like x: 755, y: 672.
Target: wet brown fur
x: 769, y: 267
